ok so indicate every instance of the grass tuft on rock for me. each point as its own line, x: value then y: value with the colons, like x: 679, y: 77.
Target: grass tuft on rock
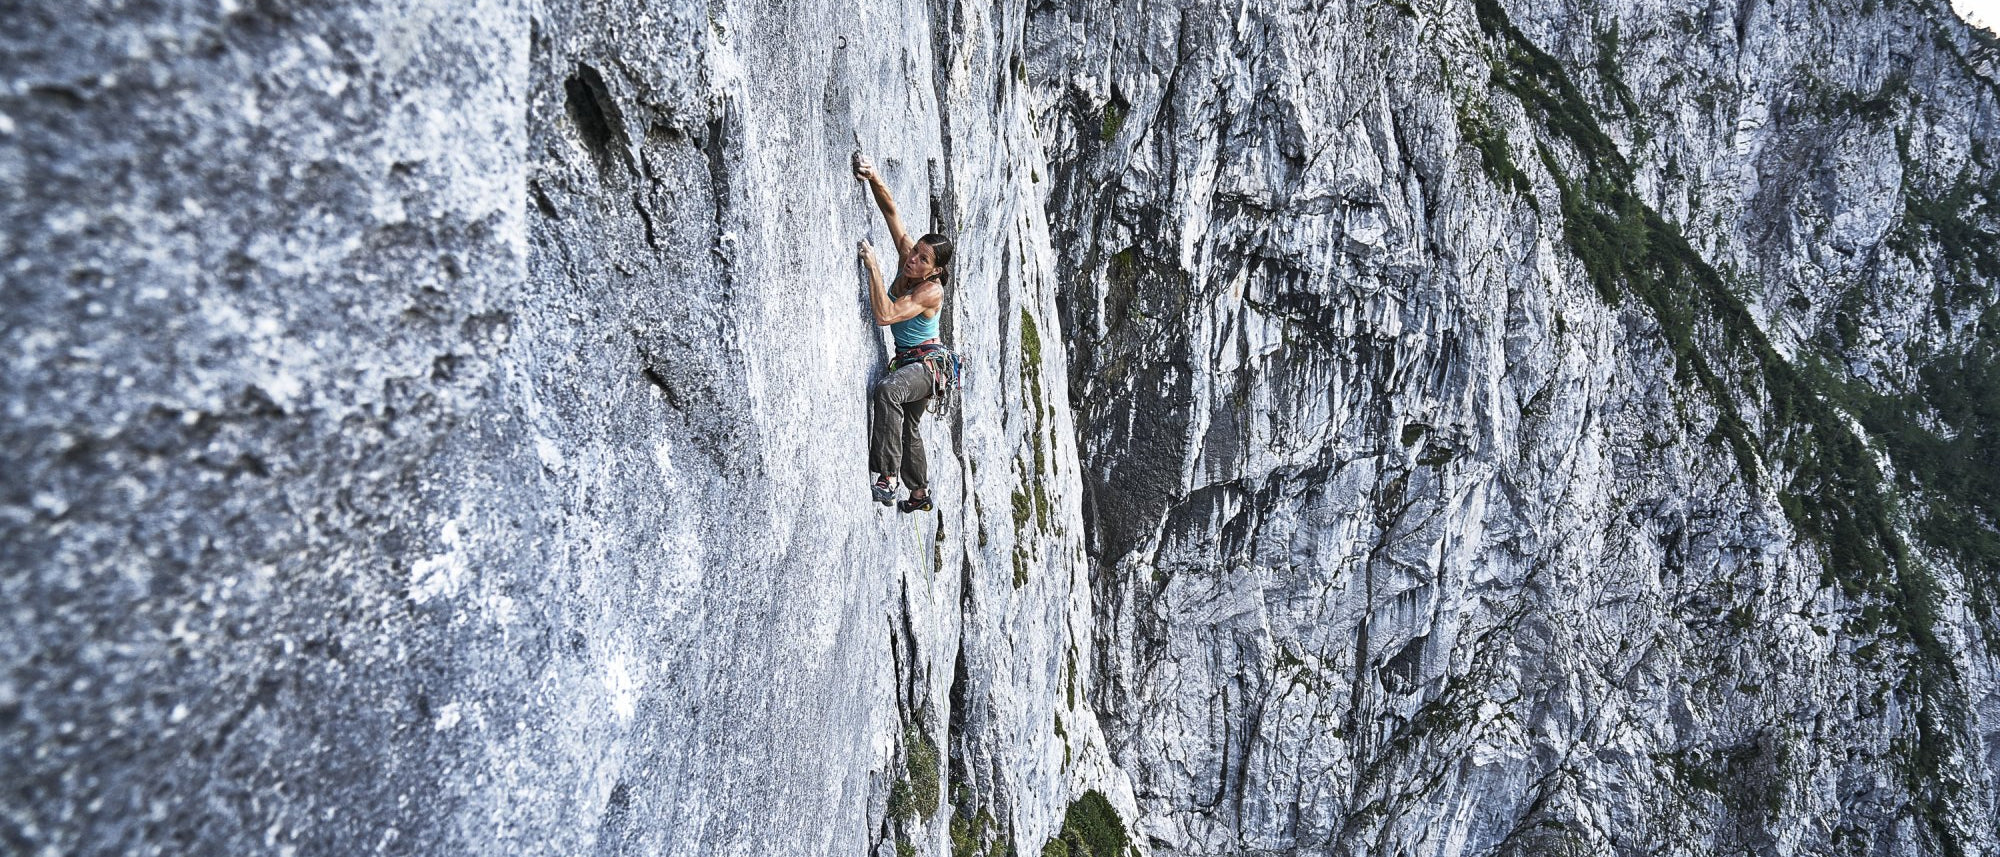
x: 1115, y: 112
x: 916, y: 794
x: 1090, y: 828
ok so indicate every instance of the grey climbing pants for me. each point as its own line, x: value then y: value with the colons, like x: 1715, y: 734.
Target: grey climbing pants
x: 894, y: 445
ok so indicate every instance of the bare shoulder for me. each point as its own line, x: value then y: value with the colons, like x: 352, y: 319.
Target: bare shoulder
x: 930, y: 294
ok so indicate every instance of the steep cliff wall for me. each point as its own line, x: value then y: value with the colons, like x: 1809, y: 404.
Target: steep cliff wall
x: 440, y: 429
x: 1390, y: 428
x: 1507, y: 495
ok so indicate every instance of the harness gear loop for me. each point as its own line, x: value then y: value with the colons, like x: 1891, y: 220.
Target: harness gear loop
x: 946, y: 370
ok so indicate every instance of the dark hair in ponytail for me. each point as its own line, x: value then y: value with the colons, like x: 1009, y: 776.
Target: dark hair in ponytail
x: 940, y: 252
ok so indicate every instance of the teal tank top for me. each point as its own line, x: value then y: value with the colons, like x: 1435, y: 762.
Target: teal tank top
x: 914, y: 331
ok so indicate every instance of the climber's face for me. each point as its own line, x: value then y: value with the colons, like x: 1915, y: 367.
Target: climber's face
x: 917, y: 264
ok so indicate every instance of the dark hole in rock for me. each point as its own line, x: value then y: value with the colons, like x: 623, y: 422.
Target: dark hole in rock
x: 543, y: 203
x: 653, y: 375
x: 614, y: 826
x: 591, y: 109
x: 662, y: 132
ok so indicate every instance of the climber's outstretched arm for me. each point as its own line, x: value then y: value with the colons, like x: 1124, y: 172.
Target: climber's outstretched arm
x: 865, y: 171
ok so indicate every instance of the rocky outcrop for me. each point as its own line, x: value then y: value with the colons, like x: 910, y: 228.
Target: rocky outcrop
x: 1390, y: 427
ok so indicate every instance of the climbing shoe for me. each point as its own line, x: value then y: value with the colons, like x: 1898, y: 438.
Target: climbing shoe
x: 885, y: 492
x: 915, y: 504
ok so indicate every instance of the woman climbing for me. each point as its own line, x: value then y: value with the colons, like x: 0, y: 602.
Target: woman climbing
x: 910, y: 308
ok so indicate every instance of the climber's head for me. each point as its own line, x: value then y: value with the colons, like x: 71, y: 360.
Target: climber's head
x: 927, y: 258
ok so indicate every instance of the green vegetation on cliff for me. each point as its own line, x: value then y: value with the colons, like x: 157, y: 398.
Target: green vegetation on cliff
x: 1090, y: 828
x: 1828, y: 482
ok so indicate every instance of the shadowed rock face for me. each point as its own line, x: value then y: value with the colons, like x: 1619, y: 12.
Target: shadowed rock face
x: 1441, y: 428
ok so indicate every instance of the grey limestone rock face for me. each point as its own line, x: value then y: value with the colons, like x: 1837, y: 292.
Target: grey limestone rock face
x: 1390, y: 428
x: 440, y: 428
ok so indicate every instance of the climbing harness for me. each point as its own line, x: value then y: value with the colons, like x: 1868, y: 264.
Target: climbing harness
x: 947, y: 371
